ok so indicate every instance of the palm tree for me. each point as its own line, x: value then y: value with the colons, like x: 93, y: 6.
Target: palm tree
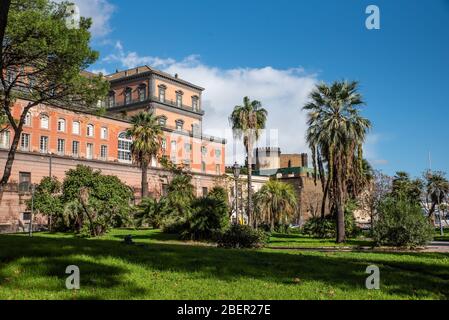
x: 276, y: 202
x: 335, y: 135
x: 146, y: 134
x: 247, y: 121
x: 437, y: 190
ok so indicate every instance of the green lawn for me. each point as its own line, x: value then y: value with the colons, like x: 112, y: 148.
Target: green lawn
x: 302, y: 241
x: 160, y: 267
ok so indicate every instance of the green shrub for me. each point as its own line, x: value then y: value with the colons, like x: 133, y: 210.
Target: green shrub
x: 401, y: 223
x: 242, y: 236
x: 209, y: 217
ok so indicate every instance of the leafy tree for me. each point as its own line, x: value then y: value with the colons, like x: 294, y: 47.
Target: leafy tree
x: 95, y: 202
x: 47, y: 199
x: 276, y: 203
x: 402, y: 224
x: 247, y: 121
x: 380, y: 188
x: 42, y: 62
x: 335, y: 135
x: 146, y: 133
x: 404, y: 186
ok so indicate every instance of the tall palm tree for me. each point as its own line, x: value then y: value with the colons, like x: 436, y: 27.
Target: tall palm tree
x: 276, y: 202
x: 247, y: 121
x: 437, y: 190
x: 146, y: 134
x: 336, y: 134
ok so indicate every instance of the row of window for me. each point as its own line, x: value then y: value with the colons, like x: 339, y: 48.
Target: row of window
x: 142, y: 96
x: 62, y: 126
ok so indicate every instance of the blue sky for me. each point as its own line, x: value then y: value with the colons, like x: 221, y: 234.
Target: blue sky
x: 275, y: 51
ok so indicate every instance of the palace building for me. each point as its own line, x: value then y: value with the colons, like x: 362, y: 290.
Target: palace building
x: 57, y: 139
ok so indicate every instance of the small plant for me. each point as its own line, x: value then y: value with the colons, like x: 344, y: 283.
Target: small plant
x: 242, y: 236
x: 402, y: 223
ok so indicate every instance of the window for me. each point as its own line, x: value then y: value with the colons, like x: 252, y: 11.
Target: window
x: 164, y: 144
x: 89, y: 151
x: 195, y: 104
x: 162, y: 93
x: 76, y: 127
x: 43, y: 145
x: 188, y: 147
x: 28, y: 119
x: 61, y: 125
x: 104, y: 152
x: 205, y: 191
x: 25, y: 142
x: 5, y: 139
x: 163, y: 121
x: 104, y: 133
x: 31, y: 82
x: 90, y: 130
x: 44, y: 121
x: 61, y: 147
x: 218, y: 153
x: 179, y: 124
x: 217, y: 169
x: 75, y: 148
x: 128, y: 95
x: 179, y: 98
x: 124, y: 147
x: 173, y: 150
x: 203, y: 166
x: 24, y: 181
x: 111, y: 99
x: 11, y: 76
x: 164, y: 190
x: 142, y: 92
x: 203, y: 150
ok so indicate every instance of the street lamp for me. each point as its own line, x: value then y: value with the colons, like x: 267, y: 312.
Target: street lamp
x: 236, y: 170
x: 33, y: 190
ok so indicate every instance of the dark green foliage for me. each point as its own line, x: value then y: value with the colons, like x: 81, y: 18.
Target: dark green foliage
x: 242, y: 236
x: 94, y: 202
x: 150, y: 212
x: 405, y: 187
x: 402, y: 223
x: 47, y: 199
x: 210, y: 215
x: 326, y: 228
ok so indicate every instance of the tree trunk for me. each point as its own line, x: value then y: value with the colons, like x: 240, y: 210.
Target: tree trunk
x: 144, y: 182
x: 340, y: 207
x: 11, y: 156
x: 250, y: 183
x: 323, y: 203
x: 4, y: 11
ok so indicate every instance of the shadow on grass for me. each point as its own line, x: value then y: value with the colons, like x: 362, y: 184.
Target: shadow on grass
x: 404, y: 275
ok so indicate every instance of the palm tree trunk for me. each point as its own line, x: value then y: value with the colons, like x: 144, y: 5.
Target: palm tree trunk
x: 144, y: 182
x: 250, y: 184
x: 323, y: 203
x: 341, y: 234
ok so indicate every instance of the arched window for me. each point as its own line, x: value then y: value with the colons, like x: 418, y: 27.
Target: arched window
x: 90, y: 130
x: 128, y: 95
x: 45, y: 121
x: 28, y: 119
x: 61, y: 125
x: 124, y: 147
x: 142, y: 92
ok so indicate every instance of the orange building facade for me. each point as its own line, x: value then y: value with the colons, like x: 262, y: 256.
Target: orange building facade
x: 57, y: 139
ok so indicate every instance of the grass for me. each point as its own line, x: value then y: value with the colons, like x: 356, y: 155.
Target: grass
x: 303, y: 241
x: 160, y: 267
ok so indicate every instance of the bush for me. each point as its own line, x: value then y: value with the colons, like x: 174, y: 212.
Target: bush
x: 401, y: 223
x: 327, y: 228
x: 209, y: 217
x: 242, y: 236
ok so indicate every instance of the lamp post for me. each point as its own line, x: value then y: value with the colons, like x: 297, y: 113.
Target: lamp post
x: 236, y: 169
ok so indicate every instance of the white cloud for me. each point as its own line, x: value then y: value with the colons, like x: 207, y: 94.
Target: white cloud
x: 282, y: 92
x: 101, y: 13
